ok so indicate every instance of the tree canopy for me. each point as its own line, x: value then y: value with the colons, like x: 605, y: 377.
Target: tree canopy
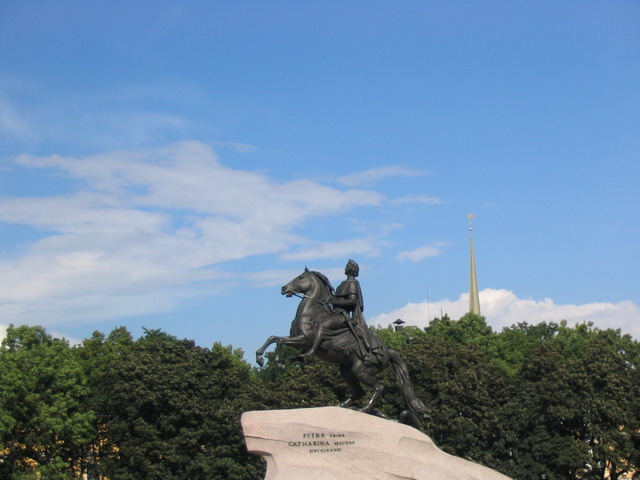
x: 532, y: 401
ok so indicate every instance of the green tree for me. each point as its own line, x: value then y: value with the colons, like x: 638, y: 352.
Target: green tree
x: 471, y: 329
x: 609, y: 406
x: 534, y: 401
x: 547, y: 415
x: 397, y: 339
x: 45, y: 424
x: 97, y: 355
x: 515, y: 344
x: 174, y: 411
x: 465, y: 393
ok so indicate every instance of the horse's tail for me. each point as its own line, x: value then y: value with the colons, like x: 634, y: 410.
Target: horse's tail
x: 419, y: 412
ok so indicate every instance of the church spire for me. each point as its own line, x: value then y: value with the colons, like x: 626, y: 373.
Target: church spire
x: 474, y: 300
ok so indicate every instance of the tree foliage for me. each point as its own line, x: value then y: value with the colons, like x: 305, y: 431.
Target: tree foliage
x: 174, y: 410
x: 533, y: 401
x: 45, y: 421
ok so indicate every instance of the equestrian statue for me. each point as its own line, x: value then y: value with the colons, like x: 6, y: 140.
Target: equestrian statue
x: 331, y: 326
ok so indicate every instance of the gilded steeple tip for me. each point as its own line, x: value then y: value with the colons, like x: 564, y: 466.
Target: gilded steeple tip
x: 474, y: 300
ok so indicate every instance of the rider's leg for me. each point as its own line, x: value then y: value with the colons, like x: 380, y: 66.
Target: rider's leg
x: 362, y: 334
x: 318, y: 332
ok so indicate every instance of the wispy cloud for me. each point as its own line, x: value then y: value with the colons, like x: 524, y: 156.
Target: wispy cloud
x: 149, y: 223
x: 96, y: 120
x: 370, y: 177
x: 272, y: 278
x: 420, y: 253
x: 12, y: 123
x: 417, y: 199
x: 342, y: 249
x: 503, y: 308
x: 238, y: 147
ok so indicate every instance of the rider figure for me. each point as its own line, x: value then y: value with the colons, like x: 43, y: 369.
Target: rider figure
x: 348, y: 303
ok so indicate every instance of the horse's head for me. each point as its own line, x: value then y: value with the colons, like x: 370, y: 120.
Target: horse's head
x: 308, y: 283
x: 301, y: 284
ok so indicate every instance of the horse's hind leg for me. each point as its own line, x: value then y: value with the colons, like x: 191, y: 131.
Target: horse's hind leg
x: 357, y: 392
x: 367, y: 375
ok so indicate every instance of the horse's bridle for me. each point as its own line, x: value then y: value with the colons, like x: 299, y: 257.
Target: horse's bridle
x: 302, y: 295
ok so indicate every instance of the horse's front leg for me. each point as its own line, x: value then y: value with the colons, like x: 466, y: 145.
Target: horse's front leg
x: 260, y: 351
x: 299, y: 341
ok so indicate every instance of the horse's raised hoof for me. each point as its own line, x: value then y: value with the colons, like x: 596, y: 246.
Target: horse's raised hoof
x: 260, y: 360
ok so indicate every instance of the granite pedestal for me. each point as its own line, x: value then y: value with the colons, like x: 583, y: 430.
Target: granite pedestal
x: 332, y: 443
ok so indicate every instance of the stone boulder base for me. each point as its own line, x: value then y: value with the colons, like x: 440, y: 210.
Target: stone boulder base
x: 332, y: 443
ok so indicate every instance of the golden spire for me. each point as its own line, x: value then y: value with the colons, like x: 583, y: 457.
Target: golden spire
x: 474, y: 299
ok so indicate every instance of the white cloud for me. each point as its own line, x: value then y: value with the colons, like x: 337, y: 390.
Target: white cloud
x: 342, y: 249
x: 188, y: 175
x: 416, y: 199
x: 420, y: 253
x: 12, y: 124
x: 503, y: 308
x: 271, y: 278
x: 374, y: 175
x: 238, y: 147
x: 95, y: 120
x: 148, y: 223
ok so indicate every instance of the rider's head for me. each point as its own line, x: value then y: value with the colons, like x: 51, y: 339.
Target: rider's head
x: 352, y: 268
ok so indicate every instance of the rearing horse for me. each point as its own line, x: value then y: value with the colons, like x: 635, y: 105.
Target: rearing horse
x: 340, y: 346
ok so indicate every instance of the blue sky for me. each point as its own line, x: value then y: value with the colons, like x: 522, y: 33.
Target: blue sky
x: 171, y: 164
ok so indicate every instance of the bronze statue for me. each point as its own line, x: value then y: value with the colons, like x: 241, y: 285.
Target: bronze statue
x: 347, y: 301
x: 331, y: 327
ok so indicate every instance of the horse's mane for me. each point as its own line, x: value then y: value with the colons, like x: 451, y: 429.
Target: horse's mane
x: 324, y: 280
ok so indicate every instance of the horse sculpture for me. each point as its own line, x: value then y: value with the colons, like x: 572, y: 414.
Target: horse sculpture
x: 339, y: 346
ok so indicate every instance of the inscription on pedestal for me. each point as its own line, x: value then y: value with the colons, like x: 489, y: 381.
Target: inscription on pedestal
x: 320, y: 442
